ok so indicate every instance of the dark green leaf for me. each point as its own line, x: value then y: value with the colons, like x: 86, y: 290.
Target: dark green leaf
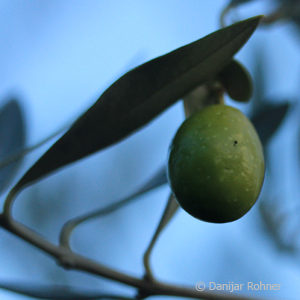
x: 268, y: 120
x: 12, y: 139
x: 236, y: 81
x: 55, y: 292
x: 142, y: 94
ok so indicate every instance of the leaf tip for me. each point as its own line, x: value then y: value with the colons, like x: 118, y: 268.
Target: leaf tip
x: 256, y: 20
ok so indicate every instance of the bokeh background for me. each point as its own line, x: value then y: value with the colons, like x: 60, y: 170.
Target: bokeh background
x: 56, y: 58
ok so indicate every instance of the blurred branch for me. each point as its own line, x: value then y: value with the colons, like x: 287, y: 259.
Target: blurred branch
x: 56, y: 292
x: 15, y: 156
x: 260, y: 68
x: 273, y: 222
x: 157, y: 180
x: 286, y: 10
x: 230, y: 6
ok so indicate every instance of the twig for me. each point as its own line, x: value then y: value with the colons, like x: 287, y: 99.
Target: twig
x: 158, y: 179
x: 168, y: 213
x: 15, y: 156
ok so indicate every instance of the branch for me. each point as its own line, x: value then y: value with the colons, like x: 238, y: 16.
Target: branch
x: 168, y: 213
x: 71, y: 260
x: 15, y: 156
x: 56, y: 292
x: 74, y: 261
x: 157, y: 180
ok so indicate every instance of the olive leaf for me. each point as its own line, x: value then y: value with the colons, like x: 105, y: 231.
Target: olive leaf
x: 142, y: 94
x: 268, y: 120
x: 237, y: 81
x: 55, y: 292
x: 12, y: 139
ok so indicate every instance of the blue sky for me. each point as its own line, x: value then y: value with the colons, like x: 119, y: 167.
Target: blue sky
x: 59, y: 56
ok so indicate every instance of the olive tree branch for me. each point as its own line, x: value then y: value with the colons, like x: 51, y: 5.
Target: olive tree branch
x: 57, y: 292
x: 71, y: 260
x: 157, y: 180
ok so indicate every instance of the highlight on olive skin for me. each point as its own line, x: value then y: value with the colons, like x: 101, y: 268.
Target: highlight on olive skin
x: 216, y: 164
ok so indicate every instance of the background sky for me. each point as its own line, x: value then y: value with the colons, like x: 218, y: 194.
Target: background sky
x: 57, y: 57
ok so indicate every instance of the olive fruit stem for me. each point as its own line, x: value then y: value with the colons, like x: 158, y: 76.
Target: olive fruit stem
x: 207, y: 94
x: 204, y: 95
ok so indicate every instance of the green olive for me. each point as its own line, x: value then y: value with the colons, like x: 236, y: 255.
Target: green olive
x: 216, y: 164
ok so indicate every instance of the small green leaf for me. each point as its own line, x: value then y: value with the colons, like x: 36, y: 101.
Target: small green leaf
x: 237, y: 81
x: 268, y: 120
x: 12, y: 139
x: 140, y: 95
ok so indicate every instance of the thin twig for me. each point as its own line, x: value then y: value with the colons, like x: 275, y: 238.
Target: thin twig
x: 168, y: 213
x: 157, y: 180
x: 224, y: 13
x: 17, y: 155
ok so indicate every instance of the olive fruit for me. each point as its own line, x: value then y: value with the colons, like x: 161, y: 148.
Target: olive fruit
x: 216, y: 164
